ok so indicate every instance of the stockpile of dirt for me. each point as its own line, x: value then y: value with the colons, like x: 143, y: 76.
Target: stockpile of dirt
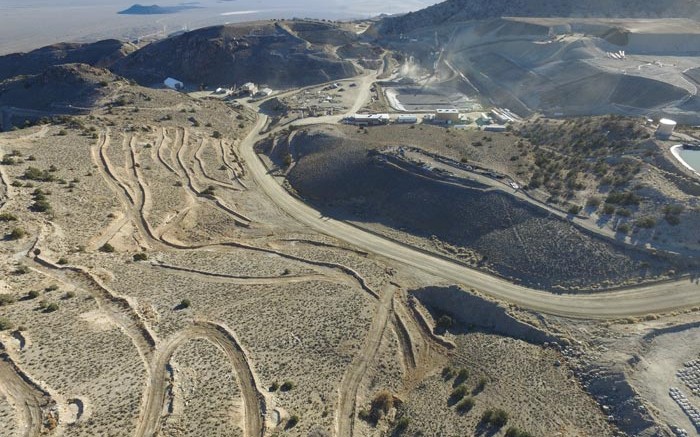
x: 227, y: 55
x: 346, y: 179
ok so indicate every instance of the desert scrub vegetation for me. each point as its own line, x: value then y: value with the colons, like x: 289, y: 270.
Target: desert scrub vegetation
x: 496, y: 418
x: 106, y: 248
x: 16, y: 234
x: 459, y: 392
x: 7, y: 217
x: 401, y: 425
x: 35, y: 174
x: 140, y: 256
x: 292, y: 422
x: 646, y: 222
x: 5, y: 324
x: 6, y: 299
x: 287, y: 386
x: 465, y: 405
x: 516, y: 432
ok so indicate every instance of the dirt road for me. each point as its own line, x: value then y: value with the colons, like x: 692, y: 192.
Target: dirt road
x: 25, y: 397
x: 157, y: 388
x: 641, y: 300
x: 347, y: 391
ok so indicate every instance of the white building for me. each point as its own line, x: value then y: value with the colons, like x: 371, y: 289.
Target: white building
x: 494, y: 128
x: 406, y: 118
x: 173, y: 84
x: 369, y: 119
x: 250, y: 88
x: 666, y: 128
x: 448, y: 115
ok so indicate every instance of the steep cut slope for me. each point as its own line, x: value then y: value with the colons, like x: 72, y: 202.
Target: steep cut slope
x: 454, y: 11
x: 234, y: 54
x: 99, y: 54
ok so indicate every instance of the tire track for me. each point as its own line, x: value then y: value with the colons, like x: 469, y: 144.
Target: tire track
x: 240, y: 280
x: 254, y: 403
x: 191, y: 184
x: 349, y: 386
x: 159, y: 150
x: 116, y: 307
x: 237, y: 160
x: 24, y: 394
x: 203, y: 171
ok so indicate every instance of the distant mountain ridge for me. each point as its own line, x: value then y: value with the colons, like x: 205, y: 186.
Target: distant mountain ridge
x: 454, y: 11
x: 138, y: 9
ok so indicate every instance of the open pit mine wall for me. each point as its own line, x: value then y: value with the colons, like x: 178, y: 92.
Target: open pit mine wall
x: 469, y: 309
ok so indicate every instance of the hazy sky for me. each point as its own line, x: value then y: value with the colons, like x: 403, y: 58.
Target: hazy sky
x: 28, y: 24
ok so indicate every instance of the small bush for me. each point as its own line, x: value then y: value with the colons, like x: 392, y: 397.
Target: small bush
x: 7, y: 217
x: 107, y: 248
x: 185, y: 303
x: 140, y: 257
x: 21, y: 270
x: 462, y: 375
x: 480, y: 386
x: 33, y: 294
x: 275, y: 385
x: 382, y: 403
x: 50, y: 308
x: 209, y: 191
x: 286, y: 386
x: 16, y: 234
x: 62, y: 261
x: 444, y: 323
x: 496, y: 418
x: 6, y: 299
x: 448, y: 372
x: 646, y: 222
x: 69, y: 295
x: 292, y: 422
x: 5, y: 324
x: 52, y: 287
x: 515, y: 432
x: 593, y: 202
x: 465, y: 405
x: 459, y: 392
x: 402, y: 423
x: 624, y: 228
x: 575, y: 209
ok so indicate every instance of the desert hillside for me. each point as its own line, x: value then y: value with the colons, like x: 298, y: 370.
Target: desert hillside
x: 454, y: 11
x: 99, y: 54
x: 228, y: 55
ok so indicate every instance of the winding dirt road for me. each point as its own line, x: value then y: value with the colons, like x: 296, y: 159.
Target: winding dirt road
x: 25, y: 397
x: 349, y: 386
x: 652, y: 298
x: 254, y: 403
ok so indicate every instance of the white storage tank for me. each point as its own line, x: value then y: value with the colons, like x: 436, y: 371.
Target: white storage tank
x: 666, y: 127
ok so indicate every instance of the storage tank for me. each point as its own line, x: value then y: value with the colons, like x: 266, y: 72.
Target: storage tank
x: 666, y: 127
